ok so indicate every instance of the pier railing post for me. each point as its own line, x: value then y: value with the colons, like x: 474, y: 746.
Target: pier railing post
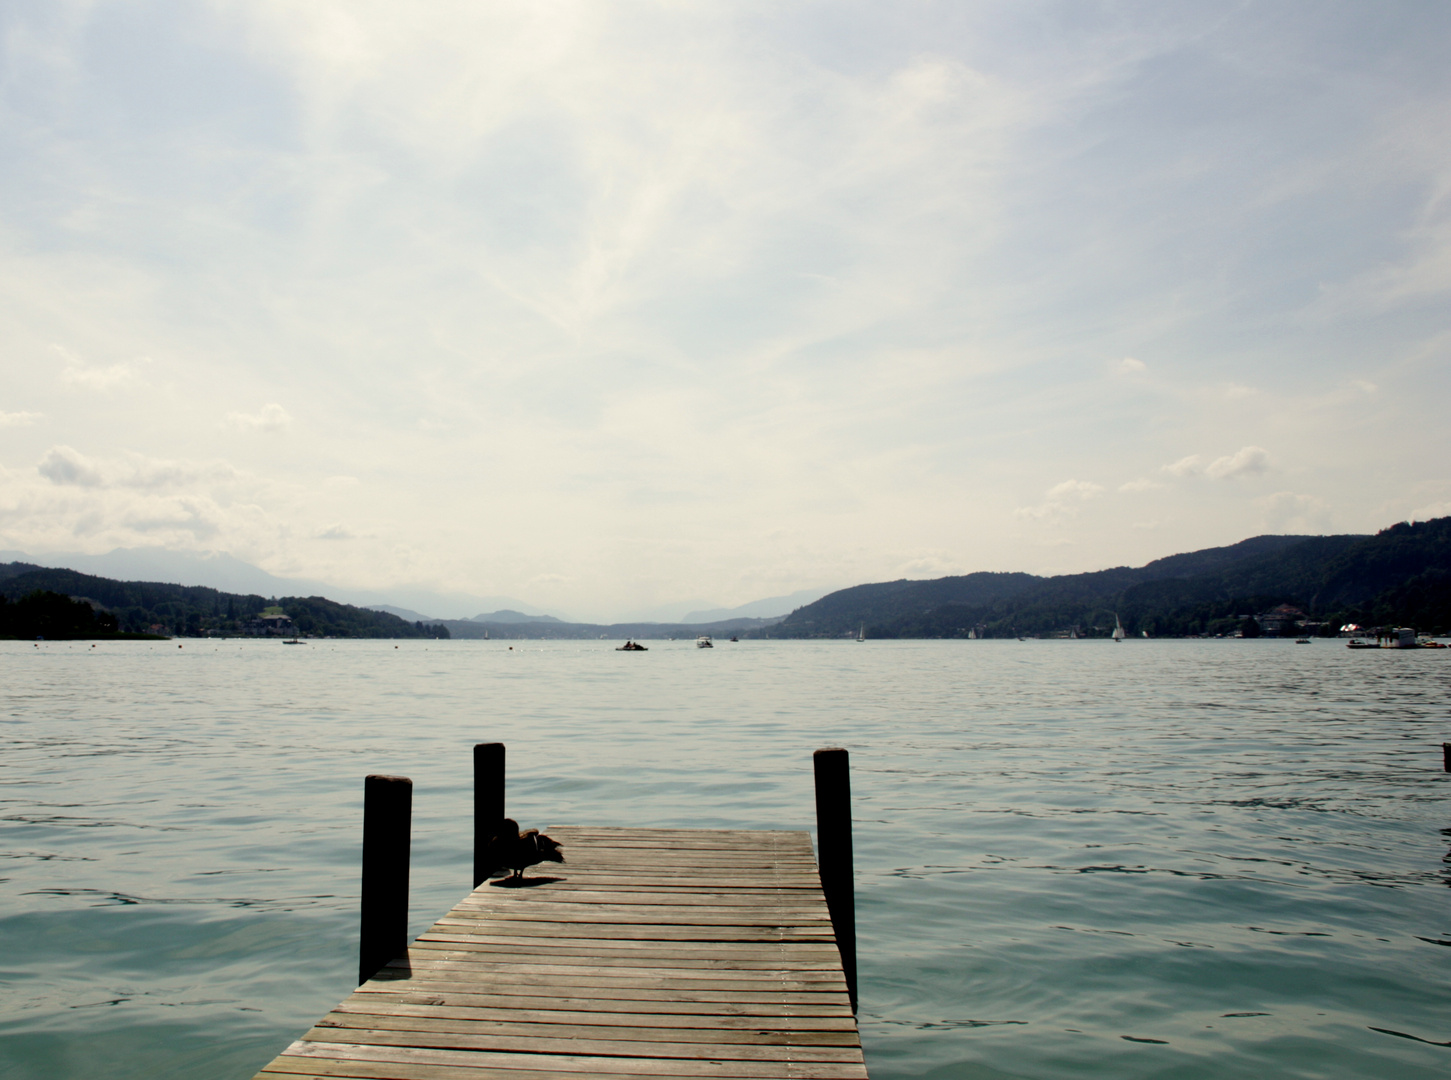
x: 833, y: 853
x: 488, y: 804
x: 387, y: 820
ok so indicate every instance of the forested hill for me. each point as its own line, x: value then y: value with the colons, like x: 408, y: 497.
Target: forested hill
x: 33, y: 600
x: 1400, y: 576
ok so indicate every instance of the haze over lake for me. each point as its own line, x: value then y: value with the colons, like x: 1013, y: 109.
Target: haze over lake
x: 1074, y: 859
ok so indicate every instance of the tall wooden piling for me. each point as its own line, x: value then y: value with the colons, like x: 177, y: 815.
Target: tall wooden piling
x: 833, y: 854
x: 387, y: 820
x: 488, y: 804
x: 1446, y: 756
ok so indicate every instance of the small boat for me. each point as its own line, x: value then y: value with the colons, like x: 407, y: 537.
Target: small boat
x: 1302, y: 641
x: 1356, y: 643
x: 704, y: 642
x: 294, y: 641
x: 631, y: 646
x: 861, y: 635
x: 734, y: 638
x: 1118, y: 629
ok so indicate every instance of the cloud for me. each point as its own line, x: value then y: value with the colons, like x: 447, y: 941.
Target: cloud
x: 65, y: 466
x: 271, y: 417
x: 336, y: 532
x: 1187, y: 466
x: 1129, y: 366
x: 62, y: 465
x: 1141, y: 484
x: 1431, y: 510
x: 1288, y: 510
x: 1247, y: 461
x: 1075, y: 489
x: 1058, y: 500
x: 19, y: 419
x: 100, y: 379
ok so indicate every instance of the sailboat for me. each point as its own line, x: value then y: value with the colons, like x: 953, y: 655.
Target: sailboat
x: 861, y: 635
x: 1118, y: 629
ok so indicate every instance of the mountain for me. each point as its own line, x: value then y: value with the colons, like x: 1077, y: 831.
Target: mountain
x: 1400, y: 575
x: 41, y: 601
x: 220, y: 571
x: 773, y: 607
x: 508, y: 616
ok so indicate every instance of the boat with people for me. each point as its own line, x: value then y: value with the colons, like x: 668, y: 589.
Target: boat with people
x: 704, y: 642
x: 631, y: 646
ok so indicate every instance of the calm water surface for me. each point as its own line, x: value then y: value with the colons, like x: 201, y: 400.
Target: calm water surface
x: 1074, y: 859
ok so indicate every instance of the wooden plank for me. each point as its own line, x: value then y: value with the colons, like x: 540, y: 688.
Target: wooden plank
x: 512, y: 971
x: 644, y: 992
x: 395, y: 1006
x: 577, y: 1063
x: 477, y: 1041
x: 658, y: 953
x: 818, y: 1006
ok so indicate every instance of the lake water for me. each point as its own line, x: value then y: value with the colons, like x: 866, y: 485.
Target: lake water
x: 1074, y: 859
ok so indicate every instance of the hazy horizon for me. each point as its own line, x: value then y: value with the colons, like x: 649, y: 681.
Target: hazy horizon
x: 620, y: 307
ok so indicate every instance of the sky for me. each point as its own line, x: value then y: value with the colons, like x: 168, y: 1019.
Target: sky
x: 607, y: 306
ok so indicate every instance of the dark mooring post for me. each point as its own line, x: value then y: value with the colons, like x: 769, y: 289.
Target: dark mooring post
x: 1446, y: 756
x: 387, y: 818
x: 833, y: 853
x: 488, y: 804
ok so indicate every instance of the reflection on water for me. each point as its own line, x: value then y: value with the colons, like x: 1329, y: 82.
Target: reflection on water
x: 1077, y: 860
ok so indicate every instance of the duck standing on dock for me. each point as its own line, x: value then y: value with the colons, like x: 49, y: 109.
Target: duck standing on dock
x: 516, y: 850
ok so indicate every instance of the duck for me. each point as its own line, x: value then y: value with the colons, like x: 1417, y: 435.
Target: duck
x: 516, y: 850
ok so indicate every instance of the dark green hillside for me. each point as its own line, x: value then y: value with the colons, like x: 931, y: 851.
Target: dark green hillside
x: 195, y: 610
x: 1401, y: 576
x: 50, y: 615
x: 844, y: 611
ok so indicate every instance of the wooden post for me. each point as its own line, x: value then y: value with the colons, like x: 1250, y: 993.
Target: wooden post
x: 387, y: 818
x: 488, y: 804
x: 1446, y: 756
x: 833, y: 854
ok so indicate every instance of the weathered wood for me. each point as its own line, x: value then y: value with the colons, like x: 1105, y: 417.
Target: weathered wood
x: 393, y: 1006
x: 660, y: 954
x: 586, y: 1064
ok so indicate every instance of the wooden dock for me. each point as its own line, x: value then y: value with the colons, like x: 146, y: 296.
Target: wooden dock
x: 649, y: 953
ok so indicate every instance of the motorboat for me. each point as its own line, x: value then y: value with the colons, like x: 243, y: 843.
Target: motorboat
x: 704, y: 642
x: 734, y: 638
x: 631, y: 646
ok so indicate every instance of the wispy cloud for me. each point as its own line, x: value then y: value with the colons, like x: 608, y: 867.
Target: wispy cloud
x: 68, y: 467
x: 271, y: 417
x: 19, y: 419
x: 1287, y: 510
x: 1246, y: 461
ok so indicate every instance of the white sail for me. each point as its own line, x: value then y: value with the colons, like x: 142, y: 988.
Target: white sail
x: 1118, y: 629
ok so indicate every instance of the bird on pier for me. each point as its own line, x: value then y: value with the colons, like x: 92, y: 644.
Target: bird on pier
x: 516, y: 850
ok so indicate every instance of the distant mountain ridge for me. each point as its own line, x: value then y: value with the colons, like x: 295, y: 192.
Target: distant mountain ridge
x: 1401, y: 574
